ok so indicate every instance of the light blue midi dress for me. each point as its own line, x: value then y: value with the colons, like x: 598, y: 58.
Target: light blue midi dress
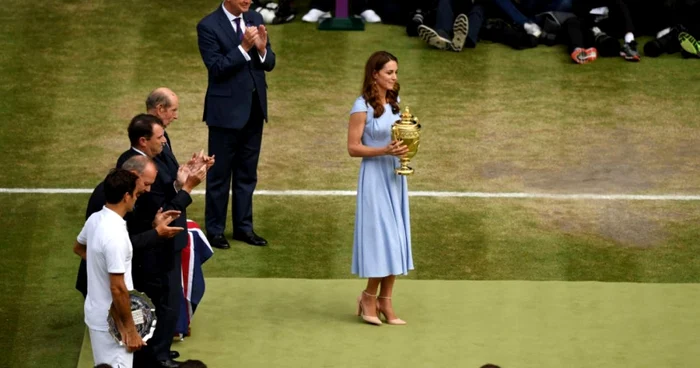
x: 382, y: 240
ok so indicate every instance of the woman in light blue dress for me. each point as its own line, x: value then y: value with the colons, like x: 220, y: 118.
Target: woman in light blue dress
x: 382, y: 242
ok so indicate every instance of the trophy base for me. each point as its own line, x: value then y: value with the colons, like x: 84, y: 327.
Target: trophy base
x: 342, y: 24
x: 404, y: 171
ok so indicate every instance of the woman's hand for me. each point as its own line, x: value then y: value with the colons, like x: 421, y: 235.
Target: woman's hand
x: 396, y: 148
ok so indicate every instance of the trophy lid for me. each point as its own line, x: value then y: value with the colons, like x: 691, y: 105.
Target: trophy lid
x: 407, y: 117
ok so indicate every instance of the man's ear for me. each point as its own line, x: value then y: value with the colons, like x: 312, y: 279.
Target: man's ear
x: 142, y: 141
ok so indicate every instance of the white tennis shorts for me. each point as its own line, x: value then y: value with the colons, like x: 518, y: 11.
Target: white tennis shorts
x: 106, y: 350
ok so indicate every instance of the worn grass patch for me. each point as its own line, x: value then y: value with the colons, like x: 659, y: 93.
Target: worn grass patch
x: 494, y: 119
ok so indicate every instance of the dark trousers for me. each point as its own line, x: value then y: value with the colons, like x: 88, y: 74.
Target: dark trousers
x: 165, y: 291
x: 356, y: 6
x: 445, y: 16
x: 688, y: 14
x: 575, y: 35
x: 397, y: 12
x: 620, y: 19
x: 500, y: 31
x: 578, y: 35
x: 236, y: 169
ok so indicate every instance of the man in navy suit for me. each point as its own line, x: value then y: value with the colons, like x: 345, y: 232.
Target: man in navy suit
x: 156, y: 270
x: 237, y: 53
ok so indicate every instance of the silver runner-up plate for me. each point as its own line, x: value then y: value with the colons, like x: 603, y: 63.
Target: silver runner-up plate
x: 144, y: 314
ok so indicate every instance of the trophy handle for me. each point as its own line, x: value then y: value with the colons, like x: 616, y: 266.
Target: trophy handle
x: 418, y: 139
x: 394, y: 133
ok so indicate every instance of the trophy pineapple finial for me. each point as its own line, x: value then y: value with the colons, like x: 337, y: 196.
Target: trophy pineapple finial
x: 407, y: 117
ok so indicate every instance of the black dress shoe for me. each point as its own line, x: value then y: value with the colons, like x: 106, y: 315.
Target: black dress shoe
x: 169, y: 363
x: 174, y: 354
x: 219, y: 241
x: 251, y: 238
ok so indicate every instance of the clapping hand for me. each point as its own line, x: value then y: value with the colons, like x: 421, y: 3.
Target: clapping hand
x: 182, y: 173
x: 194, y: 163
x: 195, y: 178
x: 250, y: 38
x: 261, y: 42
x: 209, y: 161
x: 198, y: 160
x: 194, y: 171
x: 162, y: 220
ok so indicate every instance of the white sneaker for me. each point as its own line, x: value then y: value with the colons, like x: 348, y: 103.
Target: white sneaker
x: 533, y: 29
x: 314, y: 15
x: 370, y: 16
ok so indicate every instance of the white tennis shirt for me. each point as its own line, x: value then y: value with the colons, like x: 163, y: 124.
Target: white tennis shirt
x: 109, y: 251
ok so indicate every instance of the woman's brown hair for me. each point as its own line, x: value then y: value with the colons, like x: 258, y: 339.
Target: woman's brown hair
x: 375, y: 63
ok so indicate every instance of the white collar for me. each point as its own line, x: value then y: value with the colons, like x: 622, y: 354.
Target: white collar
x: 113, y: 214
x: 135, y: 149
x: 230, y: 16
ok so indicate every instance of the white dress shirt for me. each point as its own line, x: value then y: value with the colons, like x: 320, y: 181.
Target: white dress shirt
x: 240, y: 23
x: 135, y: 149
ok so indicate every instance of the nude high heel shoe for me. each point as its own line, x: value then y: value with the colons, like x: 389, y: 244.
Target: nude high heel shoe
x: 369, y: 319
x: 397, y: 321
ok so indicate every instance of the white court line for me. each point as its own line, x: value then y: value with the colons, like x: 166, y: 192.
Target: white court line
x: 337, y: 193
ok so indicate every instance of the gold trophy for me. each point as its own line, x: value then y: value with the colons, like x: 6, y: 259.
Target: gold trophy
x: 407, y: 130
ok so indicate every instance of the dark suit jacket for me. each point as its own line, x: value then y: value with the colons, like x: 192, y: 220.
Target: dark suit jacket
x: 232, y: 79
x: 139, y: 241
x: 158, y: 260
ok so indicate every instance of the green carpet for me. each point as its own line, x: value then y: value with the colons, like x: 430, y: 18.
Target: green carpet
x: 310, y: 323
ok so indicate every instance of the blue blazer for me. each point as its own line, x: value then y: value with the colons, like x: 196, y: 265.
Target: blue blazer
x: 232, y: 79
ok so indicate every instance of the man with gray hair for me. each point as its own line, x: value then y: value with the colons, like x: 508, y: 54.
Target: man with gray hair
x: 163, y: 103
x: 159, y: 274
x: 145, y: 168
